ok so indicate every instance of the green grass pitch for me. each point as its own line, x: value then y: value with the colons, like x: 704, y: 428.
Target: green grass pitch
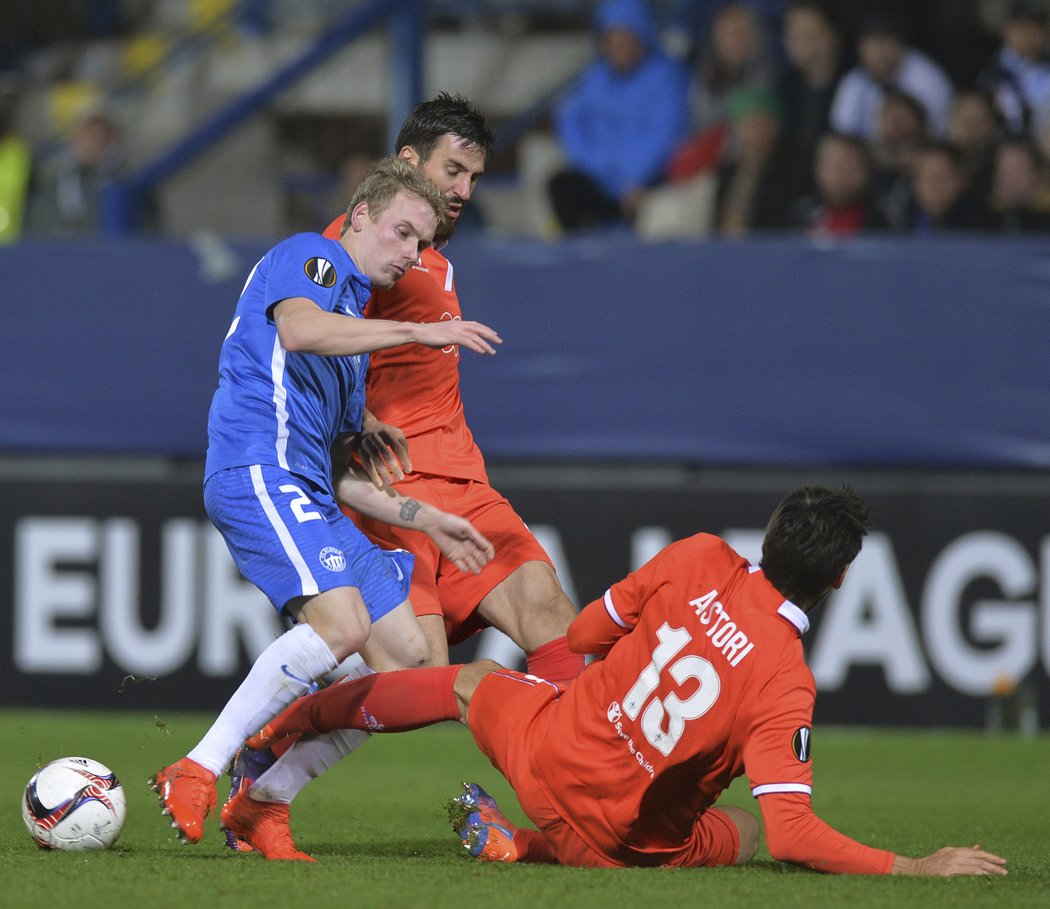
x: 376, y: 826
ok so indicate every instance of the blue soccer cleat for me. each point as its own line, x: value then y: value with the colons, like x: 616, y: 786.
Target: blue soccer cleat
x: 477, y: 820
x: 245, y: 768
x: 490, y: 843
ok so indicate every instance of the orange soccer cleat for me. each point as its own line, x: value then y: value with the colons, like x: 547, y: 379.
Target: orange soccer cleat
x: 187, y: 793
x: 245, y: 768
x: 264, y: 826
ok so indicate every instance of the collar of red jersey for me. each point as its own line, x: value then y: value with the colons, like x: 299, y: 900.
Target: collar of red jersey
x: 794, y: 615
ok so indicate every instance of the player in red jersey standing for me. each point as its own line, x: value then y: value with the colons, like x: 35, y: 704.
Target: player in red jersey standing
x: 701, y: 679
x: 518, y: 592
x: 416, y: 439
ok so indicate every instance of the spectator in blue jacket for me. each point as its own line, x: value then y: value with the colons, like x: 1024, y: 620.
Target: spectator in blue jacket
x: 619, y: 123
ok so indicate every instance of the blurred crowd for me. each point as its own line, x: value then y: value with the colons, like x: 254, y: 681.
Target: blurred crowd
x: 711, y: 118
x: 812, y: 115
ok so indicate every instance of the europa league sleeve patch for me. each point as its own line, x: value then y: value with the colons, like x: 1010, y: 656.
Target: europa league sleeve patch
x: 320, y: 271
x: 801, y: 744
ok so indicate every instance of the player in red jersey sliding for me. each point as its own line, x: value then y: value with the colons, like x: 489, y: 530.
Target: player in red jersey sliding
x: 700, y: 679
x: 430, y: 457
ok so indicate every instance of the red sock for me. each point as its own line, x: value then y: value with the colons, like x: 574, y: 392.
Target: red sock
x: 554, y: 662
x: 383, y: 702
x: 533, y: 846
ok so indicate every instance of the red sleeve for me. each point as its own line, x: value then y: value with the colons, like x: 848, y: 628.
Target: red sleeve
x: 594, y: 630
x: 795, y: 834
x: 603, y: 622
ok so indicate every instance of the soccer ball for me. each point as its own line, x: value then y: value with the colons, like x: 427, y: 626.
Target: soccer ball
x: 75, y: 804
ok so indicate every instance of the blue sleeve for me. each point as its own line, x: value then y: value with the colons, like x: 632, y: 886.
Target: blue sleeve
x: 305, y: 265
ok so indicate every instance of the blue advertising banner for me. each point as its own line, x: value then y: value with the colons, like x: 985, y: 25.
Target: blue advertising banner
x: 898, y: 353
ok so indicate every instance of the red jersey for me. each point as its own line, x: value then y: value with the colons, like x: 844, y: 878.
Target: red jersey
x: 416, y: 388
x: 703, y: 680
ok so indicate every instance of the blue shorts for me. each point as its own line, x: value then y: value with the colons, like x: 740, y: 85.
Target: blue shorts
x: 289, y: 538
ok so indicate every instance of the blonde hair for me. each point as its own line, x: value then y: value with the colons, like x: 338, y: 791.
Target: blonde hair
x: 393, y: 175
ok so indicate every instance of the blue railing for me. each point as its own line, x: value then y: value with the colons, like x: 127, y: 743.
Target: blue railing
x: 123, y: 199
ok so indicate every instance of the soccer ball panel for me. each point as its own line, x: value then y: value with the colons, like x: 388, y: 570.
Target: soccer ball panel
x: 74, y: 804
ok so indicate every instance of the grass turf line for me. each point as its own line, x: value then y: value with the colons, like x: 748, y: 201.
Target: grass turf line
x: 376, y: 826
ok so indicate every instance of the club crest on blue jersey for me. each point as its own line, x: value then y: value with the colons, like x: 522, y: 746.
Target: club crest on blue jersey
x: 801, y: 743
x: 332, y: 558
x: 321, y: 271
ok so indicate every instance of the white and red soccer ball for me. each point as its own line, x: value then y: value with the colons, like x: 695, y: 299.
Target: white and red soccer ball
x: 75, y: 804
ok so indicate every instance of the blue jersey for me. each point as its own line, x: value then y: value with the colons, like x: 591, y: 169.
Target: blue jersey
x: 279, y: 408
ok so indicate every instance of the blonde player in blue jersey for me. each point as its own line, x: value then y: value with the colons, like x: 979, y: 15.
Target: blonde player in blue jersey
x: 291, y: 380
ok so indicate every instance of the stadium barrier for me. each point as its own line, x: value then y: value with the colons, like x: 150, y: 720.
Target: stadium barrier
x: 766, y: 353
x: 123, y: 596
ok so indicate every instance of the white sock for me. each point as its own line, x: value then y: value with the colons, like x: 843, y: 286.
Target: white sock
x: 283, y: 672
x: 354, y: 670
x: 306, y: 760
x: 353, y: 666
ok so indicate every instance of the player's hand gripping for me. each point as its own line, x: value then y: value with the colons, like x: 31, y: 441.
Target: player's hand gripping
x: 951, y: 861
x: 472, y: 335
x: 379, y: 453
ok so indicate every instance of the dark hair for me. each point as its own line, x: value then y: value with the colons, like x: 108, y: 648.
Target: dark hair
x: 854, y: 143
x: 1026, y: 11
x: 820, y: 8
x: 442, y: 116
x: 812, y: 537
x: 884, y: 24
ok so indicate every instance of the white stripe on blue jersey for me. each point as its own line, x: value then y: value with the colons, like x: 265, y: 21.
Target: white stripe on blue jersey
x: 280, y: 402
x: 306, y: 578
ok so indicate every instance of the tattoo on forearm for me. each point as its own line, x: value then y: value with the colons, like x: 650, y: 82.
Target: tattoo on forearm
x: 409, y: 508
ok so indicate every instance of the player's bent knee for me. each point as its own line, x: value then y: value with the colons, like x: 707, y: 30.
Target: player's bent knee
x: 397, y: 642
x: 345, y: 642
x: 467, y: 680
x: 339, y: 617
x: 343, y: 638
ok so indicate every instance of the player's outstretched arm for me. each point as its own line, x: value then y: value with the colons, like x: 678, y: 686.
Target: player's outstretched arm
x: 379, y: 451
x: 472, y: 335
x: 951, y: 861
x: 304, y: 327
x: 795, y: 834
x: 456, y: 537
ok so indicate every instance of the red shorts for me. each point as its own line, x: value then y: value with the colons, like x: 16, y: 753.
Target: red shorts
x: 509, y: 716
x: 438, y: 587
